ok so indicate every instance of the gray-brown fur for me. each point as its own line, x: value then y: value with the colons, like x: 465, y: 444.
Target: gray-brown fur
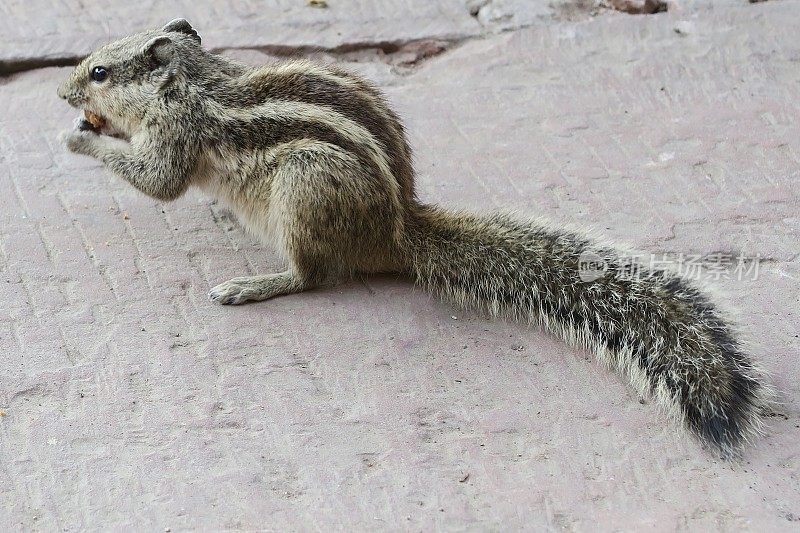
x: 313, y: 161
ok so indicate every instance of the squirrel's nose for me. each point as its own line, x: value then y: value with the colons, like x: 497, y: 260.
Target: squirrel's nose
x: 73, y: 97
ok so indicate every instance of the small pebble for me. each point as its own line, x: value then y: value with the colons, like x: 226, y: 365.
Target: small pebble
x: 684, y: 27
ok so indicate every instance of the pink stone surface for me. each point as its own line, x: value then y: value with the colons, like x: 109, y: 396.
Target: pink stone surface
x: 130, y: 402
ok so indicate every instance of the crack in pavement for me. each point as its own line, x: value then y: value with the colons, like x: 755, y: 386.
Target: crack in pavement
x: 403, y: 52
x: 9, y: 67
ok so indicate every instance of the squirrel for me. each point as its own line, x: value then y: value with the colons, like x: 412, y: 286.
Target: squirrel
x: 313, y: 161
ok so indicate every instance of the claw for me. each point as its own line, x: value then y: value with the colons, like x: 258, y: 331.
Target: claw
x: 84, y: 125
x: 228, y: 293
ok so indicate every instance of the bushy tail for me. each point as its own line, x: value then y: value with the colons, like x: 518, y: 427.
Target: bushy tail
x: 652, y: 325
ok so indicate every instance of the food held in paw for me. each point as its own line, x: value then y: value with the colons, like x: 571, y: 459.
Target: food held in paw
x: 96, y: 121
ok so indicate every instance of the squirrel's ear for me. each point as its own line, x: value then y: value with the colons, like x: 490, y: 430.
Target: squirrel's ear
x: 181, y: 26
x: 159, y: 52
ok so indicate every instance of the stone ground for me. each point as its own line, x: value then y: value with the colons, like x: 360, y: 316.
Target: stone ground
x: 130, y: 402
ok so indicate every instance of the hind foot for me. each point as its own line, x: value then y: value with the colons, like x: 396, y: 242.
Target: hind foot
x: 255, y: 288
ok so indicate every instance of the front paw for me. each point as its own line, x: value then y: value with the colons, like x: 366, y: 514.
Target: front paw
x: 80, y: 141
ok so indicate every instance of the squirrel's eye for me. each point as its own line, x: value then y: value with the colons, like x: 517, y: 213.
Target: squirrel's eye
x: 99, y: 73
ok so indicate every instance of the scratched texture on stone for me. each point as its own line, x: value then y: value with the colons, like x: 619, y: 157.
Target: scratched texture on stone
x: 129, y: 402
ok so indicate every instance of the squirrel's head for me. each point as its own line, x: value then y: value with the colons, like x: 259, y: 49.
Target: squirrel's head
x: 122, y: 80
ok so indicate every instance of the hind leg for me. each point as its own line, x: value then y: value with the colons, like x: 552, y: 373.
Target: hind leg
x: 328, y: 218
